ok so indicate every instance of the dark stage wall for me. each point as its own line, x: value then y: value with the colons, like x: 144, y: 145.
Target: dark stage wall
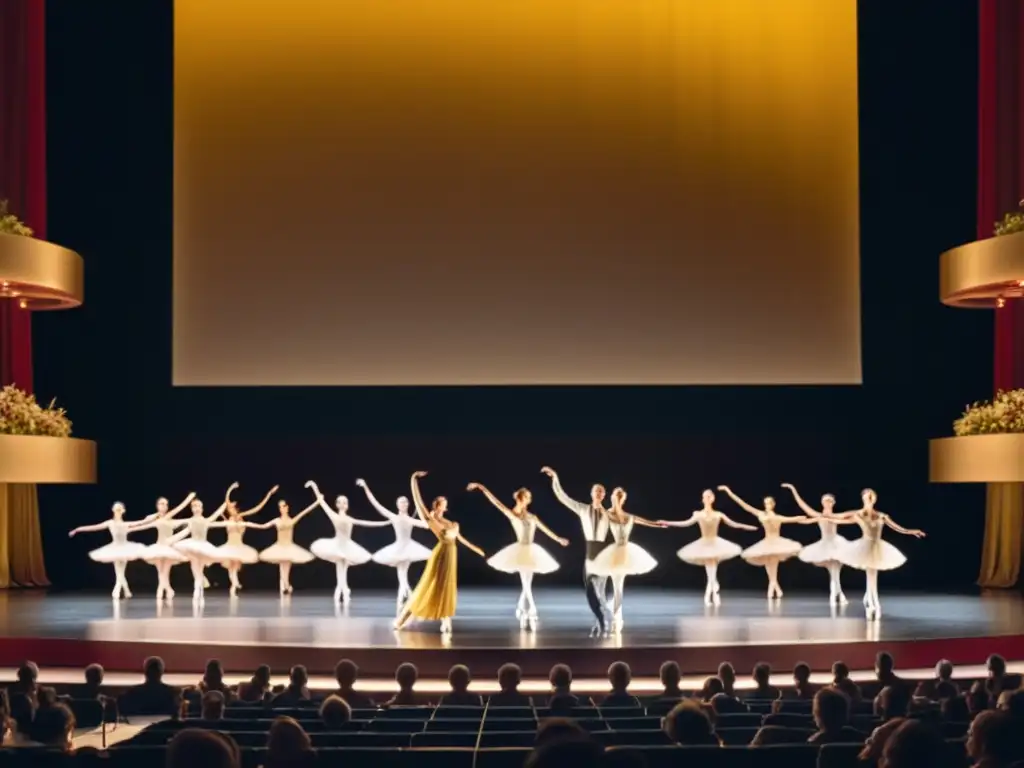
x: 110, y: 140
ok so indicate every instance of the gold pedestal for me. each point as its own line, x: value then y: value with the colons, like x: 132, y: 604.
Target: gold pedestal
x: 31, y: 459
x: 977, y: 459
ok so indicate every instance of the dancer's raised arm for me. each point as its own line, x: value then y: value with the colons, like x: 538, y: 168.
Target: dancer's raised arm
x: 733, y: 524
x: 637, y: 519
x: 807, y: 508
x: 391, y: 516
x: 417, y: 500
x: 916, y: 532
x: 184, y: 505
x: 579, y: 507
x: 740, y: 502
x: 262, y: 504
x: 495, y: 501
x: 551, y: 534
x: 306, y: 511
x: 221, y: 509
x: 89, y: 528
x: 469, y: 545
x: 691, y: 520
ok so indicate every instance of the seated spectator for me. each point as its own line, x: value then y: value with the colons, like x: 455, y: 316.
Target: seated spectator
x: 1012, y: 702
x: 763, y: 688
x: 406, y: 676
x: 288, y: 745
x: 978, y: 698
x: 213, y: 680
x: 727, y: 676
x: 296, y: 692
x: 562, y: 753
x: 26, y: 680
x: 459, y: 680
x: 557, y: 729
x: 688, y: 724
x: 560, y: 678
x: 620, y: 676
x: 892, y: 701
x: 670, y: 676
x: 994, y: 740
x: 335, y: 713
x: 802, y: 686
x: 23, y: 713
x: 778, y: 734
x: 832, y: 717
x: 152, y: 696
x: 914, y: 744
x: 346, y: 672
x: 875, y: 743
x: 200, y: 748
x: 45, y: 697
x: 562, y: 704
x: 93, y: 686
x: 841, y: 681
x: 509, y: 677
x: 885, y: 672
x: 941, y: 686
x: 724, y: 704
x: 955, y: 709
x: 997, y: 680
x: 711, y: 688
x: 257, y: 688
x: 54, y: 727
x: 213, y: 706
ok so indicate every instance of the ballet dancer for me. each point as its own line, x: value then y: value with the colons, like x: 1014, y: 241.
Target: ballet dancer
x: 285, y: 552
x: 436, y: 593
x: 524, y: 557
x: 622, y: 557
x: 340, y: 549
x: 119, y: 551
x: 710, y: 549
x: 234, y: 553
x: 825, y: 552
x: 870, y: 553
x: 404, y: 551
x: 773, y: 548
x: 161, y: 555
x: 192, y: 543
x: 595, y: 532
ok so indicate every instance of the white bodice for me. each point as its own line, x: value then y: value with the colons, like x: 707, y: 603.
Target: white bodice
x: 772, y: 525
x: 403, y: 525
x: 165, y: 527
x: 285, y: 530
x: 525, y: 527
x: 829, y: 530
x: 708, y: 524
x: 198, y: 527
x: 872, y: 528
x: 236, y: 530
x: 621, y: 531
x: 119, y: 531
x: 342, y: 527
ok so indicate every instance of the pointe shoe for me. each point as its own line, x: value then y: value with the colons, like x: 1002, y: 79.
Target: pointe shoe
x: 617, y: 626
x: 169, y: 594
x: 531, y: 622
x: 843, y: 600
x: 597, y: 630
x: 523, y: 619
x: 346, y: 595
x: 707, y: 598
x: 446, y: 626
x: 716, y: 599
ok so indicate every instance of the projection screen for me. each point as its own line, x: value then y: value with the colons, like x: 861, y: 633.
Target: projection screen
x: 459, y: 192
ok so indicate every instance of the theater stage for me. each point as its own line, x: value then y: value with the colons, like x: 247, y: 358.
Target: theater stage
x: 74, y: 629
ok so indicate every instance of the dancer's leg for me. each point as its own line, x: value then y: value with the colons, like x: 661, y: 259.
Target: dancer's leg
x: 523, y: 606
x: 530, y: 606
x: 836, y: 588
x: 594, y: 598
x: 403, y: 581
x: 119, y: 582
x: 618, y: 587
x: 709, y: 588
x: 341, y: 590
x: 284, y: 582
x: 603, y: 592
x: 233, y: 569
x: 198, y: 579
x: 162, y: 573
x: 876, y: 604
x: 772, y: 567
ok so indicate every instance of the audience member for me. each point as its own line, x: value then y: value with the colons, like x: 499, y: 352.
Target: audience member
x: 832, y: 717
x: 979, y: 698
x: 802, y: 686
x: 875, y: 743
x: 213, y: 705
x: 620, y: 676
x: 288, y: 745
x: 406, y: 676
x: 724, y: 704
x: 152, y: 696
x: 26, y: 680
x: 296, y: 692
x: 335, y: 713
x: 459, y: 679
x: 892, y: 701
x: 841, y: 681
x: 670, y: 676
x: 257, y: 688
x: 994, y: 740
x: 885, y: 673
x: 914, y: 744
x: 955, y: 709
x: 778, y: 734
x: 563, y: 753
x: 346, y: 672
x: 941, y: 686
x: 92, y: 688
x: 727, y: 676
x: 997, y: 680
x: 213, y: 680
x: 558, y: 728
x: 711, y: 688
x: 509, y: 677
x: 23, y: 713
x: 1012, y: 702
x: 199, y: 748
x: 688, y: 724
x: 560, y: 678
x: 763, y: 688
x: 54, y: 727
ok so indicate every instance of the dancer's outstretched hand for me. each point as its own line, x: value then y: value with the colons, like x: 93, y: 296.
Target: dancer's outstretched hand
x: 473, y: 487
x: 789, y: 486
x: 547, y: 471
x: 419, y: 473
x: 564, y: 542
x: 918, y: 534
x: 360, y: 482
x: 724, y: 488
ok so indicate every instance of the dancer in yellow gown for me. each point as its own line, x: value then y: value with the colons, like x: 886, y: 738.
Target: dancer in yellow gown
x: 435, y: 595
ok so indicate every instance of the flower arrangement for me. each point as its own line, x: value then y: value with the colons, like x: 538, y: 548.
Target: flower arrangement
x: 20, y: 414
x: 11, y: 224
x: 1003, y: 414
x: 1011, y: 222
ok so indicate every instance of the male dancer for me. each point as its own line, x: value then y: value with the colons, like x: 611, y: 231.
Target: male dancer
x: 595, y: 531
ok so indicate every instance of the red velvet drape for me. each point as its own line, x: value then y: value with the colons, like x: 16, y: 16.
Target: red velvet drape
x: 22, y: 158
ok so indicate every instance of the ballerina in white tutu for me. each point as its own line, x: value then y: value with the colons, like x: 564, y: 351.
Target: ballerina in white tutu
x: 119, y: 551
x: 524, y: 557
x: 870, y: 553
x: 622, y: 557
x: 404, y: 551
x: 162, y: 555
x: 710, y: 549
x: 773, y: 548
x: 285, y: 552
x: 191, y: 542
x: 235, y: 553
x: 826, y: 552
x: 340, y: 549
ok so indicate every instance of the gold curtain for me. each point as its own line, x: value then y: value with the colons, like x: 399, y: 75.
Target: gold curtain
x: 1004, y: 528
x: 21, y: 540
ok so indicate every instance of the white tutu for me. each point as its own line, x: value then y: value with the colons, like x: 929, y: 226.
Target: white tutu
x: 772, y: 548
x: 193, y: 549
x: 525, y: 558
x: 877, y: 555
x: 114, y: 553
x: 237, y: 553
x: 704, y: 551
x: 825, y: 552
x: 340, y: 551
x: 393, y: 554
x: 286, y: 553
x: 623, y: 560
x: 157, y: 552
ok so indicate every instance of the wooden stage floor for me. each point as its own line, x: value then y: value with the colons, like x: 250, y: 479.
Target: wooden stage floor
x: 73, y: 629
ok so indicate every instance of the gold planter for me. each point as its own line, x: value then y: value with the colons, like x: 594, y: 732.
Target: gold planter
x: 40, y: 275
x: 31, y: 459
x: 982, y: 273
x: 977, y: 459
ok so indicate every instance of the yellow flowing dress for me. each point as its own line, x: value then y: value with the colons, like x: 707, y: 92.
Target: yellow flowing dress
x: 436, y: 592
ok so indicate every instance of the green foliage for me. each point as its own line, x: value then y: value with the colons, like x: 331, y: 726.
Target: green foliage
x: 20, y: 414
x: 1012, y: 222
x: 1002, y: 414
x: 11, y: 224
